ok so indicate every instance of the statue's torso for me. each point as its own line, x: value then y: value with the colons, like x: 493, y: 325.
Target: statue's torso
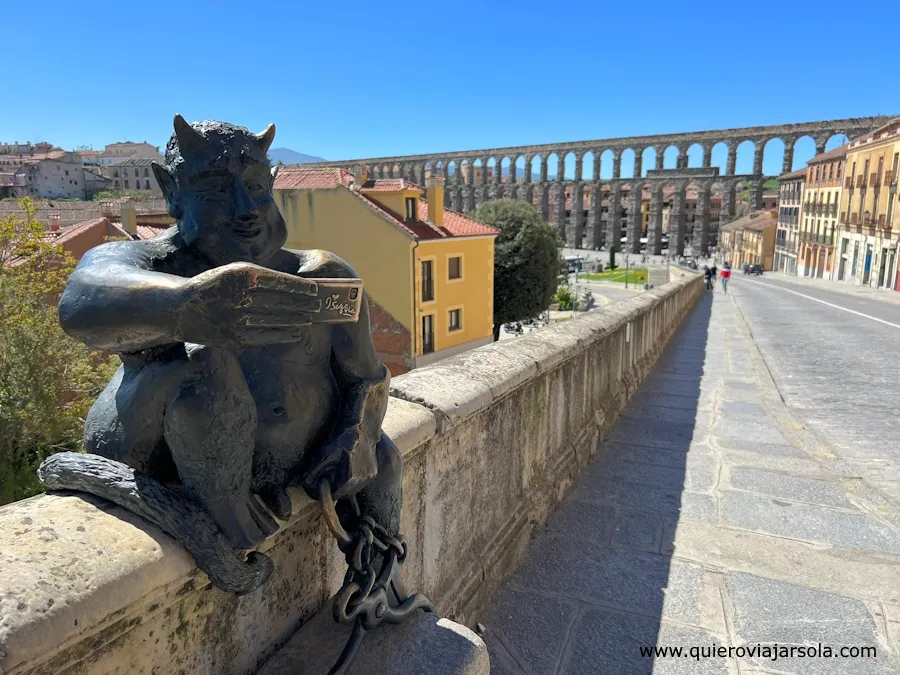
x: 293, y: 385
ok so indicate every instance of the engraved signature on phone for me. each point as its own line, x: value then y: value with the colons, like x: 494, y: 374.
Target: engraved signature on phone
x: 333, y: 304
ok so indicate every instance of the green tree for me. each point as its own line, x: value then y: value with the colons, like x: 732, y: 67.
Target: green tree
x: 526, y: 260
x: 48, y: 381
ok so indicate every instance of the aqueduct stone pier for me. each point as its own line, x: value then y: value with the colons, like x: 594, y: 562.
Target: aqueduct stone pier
x: 474, y: 176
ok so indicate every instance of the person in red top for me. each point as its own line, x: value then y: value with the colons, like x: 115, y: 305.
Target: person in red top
x: 726, y: 275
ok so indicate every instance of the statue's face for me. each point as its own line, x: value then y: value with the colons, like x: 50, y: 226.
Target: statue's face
x: 223, y: 195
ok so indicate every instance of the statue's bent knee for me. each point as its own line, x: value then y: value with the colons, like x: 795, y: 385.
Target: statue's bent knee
x: 210, y: 426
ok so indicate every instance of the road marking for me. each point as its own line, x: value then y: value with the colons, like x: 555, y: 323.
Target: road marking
x: 605, y: 298
x: 824, y: 302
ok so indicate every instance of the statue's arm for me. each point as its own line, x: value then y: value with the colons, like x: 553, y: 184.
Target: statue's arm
x: 113, y: 302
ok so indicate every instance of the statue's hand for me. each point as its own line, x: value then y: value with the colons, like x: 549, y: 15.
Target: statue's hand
x: 348, y: 462
x: 241, y: 304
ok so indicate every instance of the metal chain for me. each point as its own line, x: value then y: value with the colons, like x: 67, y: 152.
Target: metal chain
x: 367, y: 599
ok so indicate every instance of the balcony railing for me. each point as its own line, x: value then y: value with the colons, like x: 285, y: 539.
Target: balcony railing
x: 888, y: 177
x: 817, y: 238
x: 881, y: 220
x: 860, y: 181
x: 848, y: 182
x: 873, y: 179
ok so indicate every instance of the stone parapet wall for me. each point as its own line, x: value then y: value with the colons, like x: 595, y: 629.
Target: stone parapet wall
x: 491, y: 439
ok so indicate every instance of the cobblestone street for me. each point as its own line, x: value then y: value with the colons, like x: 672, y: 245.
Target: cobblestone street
x: 718, y: 513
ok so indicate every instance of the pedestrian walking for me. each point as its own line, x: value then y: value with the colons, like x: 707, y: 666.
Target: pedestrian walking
x: 714, y: 274
x: 726, y: 275
x: 708, y: 275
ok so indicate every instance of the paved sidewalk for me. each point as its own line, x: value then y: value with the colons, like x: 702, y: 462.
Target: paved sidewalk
x: 708, y: 517
x: 845, y: 287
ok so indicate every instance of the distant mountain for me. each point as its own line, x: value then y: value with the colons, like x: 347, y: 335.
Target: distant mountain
x: 287, y: 156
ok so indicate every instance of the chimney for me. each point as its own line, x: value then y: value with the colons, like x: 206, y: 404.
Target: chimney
x: 54, y: 222
x: 434, y: 193
x: 363, y: 173
x: 106, y: 209
x: 128, y: 217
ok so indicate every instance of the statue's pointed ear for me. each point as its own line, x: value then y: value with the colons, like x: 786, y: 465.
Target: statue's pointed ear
x: 189, y: 139
x: 266, y: 137
x: 169, y: 189
x: 275, y: 171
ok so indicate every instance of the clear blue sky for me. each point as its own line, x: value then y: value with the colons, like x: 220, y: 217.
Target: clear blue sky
x: 354, y: 79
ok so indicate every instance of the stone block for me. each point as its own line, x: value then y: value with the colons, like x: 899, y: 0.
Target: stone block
x: 795, y: 488
x: 531, y: 628
x: 409, y: 425
x: 810, y: 523
x: 769, y: 612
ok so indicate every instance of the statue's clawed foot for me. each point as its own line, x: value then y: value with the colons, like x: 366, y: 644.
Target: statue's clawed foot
x: 276, y: 498
x: 245, y: 522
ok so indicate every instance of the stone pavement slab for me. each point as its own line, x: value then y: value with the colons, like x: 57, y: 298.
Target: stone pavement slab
x: 705, y: 520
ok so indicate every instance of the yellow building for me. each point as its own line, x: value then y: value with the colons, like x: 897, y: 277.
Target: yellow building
x: 867, y: 238
x: 428, y: 271
x: 821, y: 199
x: 750, y: 239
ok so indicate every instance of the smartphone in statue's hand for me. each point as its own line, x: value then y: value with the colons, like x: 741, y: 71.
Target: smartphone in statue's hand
x: 340, y: 300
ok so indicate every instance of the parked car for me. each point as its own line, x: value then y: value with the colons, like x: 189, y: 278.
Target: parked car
x: 755, y: 269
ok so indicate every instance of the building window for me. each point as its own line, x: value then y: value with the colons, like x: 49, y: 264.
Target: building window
x: 455, y: 319
x: 410, y: 208
x: 117, y: 183
x: 839, y: 171
x: 427, y: 281
x: 146, y: 184
x: 831, y: 172
x: 146, y: 173
x: 455, y: 268
x: 428, y: 333
x: 115, y: 173
x: 124, y: 172
x: 126, y: 184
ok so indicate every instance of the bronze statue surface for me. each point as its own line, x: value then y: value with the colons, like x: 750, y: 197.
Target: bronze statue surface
x: 246, y: 368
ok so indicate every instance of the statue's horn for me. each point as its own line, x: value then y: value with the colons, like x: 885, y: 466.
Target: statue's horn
x: 266, y: 137
x: 189, y: 139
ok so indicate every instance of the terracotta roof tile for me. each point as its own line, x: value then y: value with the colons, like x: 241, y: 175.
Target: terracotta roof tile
x: 151, y: 231
x: 755, y: 222
x: 838, y: 153
x: 457, y: 224
x: 418, y: 229
x: 312, y: 179
x: 388, y: 185
x: 793, y: 175
x: 64, y: 235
